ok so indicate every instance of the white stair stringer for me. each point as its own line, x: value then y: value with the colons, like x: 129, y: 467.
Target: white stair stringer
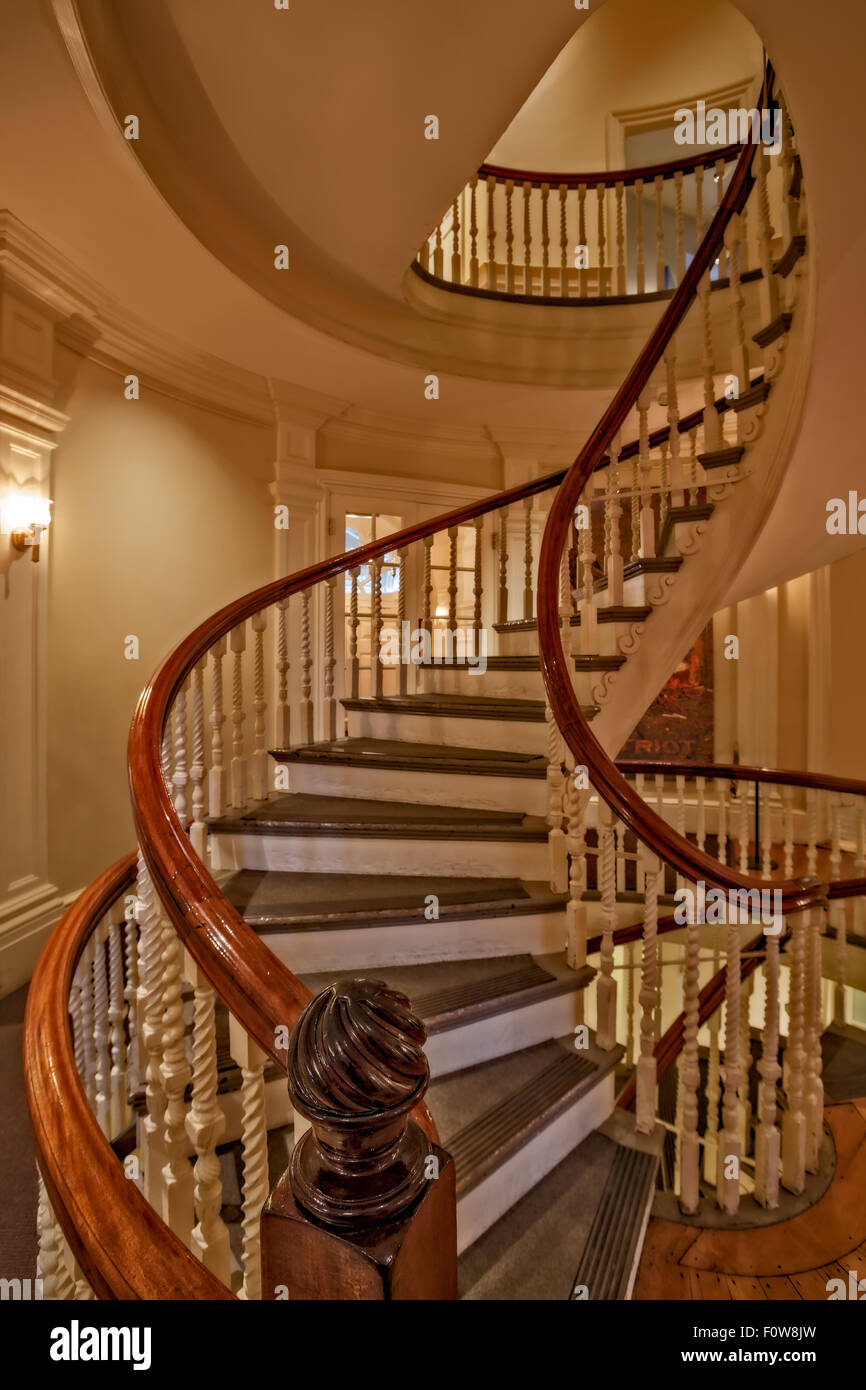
x: 684, y: 603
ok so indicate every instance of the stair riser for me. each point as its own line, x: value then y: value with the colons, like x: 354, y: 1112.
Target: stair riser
x: 351, y: 948
x: 526, y: 643
x: 525, y: 794
x: 507, y: 735
x: 366, y: 855
x: 483, y: 1205
x: 505, y: 1032
x: 506, y: 685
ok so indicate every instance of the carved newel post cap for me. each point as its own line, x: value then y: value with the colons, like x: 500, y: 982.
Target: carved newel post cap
x: 356, y: 1068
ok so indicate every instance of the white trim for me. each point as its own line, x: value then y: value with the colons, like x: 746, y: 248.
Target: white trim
x: 25, y: 925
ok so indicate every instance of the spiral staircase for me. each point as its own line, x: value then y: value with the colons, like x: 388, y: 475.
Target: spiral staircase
x: 464, y: 836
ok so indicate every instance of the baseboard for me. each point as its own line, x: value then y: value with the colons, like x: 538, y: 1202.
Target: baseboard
x: 25, y: 925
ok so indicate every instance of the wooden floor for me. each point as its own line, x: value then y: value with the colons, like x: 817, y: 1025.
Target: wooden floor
x: 793, y: 1260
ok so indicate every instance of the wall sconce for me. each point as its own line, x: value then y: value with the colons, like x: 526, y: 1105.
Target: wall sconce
x: 23, y: 517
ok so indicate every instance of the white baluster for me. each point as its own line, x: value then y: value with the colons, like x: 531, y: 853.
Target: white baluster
x: 217, y: 775
x: 768, y: 1138
x: 690, y: 1076
x: 118, y: 1107
x: 150, y: 1032
x: 555, y: 790
x: 527, y: 238
x: 254, y: 1137
x: 646, y: 1077
x: 101, y: 1082
x: 528, y: 592
x: 576, y: 801
x: 509, y: 236
x: 259, y: 756
x: 582, y: 274
x: 177, y: 1178
x: 813, y: 1032
x: 87, y: 1020
x: 638, y: 234
x: 788, y: 830
x: 283, y: 730
x: 605, y: 982
x: 491, y: 232
x: 237, y: 642
x: 179, y: 776
x: 330, y: 661
x: 794, y: 1123
x: 730, y: 1142
x: 614, y: 512
x: 660, y: 234
x: 473, y: 231
x: 306, y: 708
x: 647, y: 518
x: 601, y: 193
x: 563, y: 241
x: 205, y: 1123
x: 620, y: 240
x: 51, y: 1266
x: 198, y: 829
x: 503, y: 565
x: 811, y: 832
x: 714, y: 1089
x: 545, y: 240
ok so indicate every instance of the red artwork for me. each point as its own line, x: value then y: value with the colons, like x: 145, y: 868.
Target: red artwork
x: 678, y: 726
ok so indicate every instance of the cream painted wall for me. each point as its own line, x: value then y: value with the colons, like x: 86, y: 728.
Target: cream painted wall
x: 629, y: 54
x: 848, y: 668
x: 162, y: 514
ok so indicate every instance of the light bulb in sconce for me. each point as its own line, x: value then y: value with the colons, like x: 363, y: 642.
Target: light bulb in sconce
x: 23, y: 517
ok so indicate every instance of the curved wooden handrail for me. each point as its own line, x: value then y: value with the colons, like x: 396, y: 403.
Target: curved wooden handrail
x: 111, y: 1228
x: 650, y: 828
x: 647, y: 172
x: 743, y: 772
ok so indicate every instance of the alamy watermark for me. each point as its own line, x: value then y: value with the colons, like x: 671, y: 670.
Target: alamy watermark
x: 739, y: 906
x: 418, y: 646
x: 736, y: 126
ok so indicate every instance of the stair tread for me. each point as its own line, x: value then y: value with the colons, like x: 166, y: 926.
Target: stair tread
x: 394, y: 753
x: 537, y: 1249
x: 458, y: 706
x: 614, y: 613
x: 606, y: 1260
x: 446, y: 994
x: 489, y: 1112
x: 304, y: 813
x: 280, y: 901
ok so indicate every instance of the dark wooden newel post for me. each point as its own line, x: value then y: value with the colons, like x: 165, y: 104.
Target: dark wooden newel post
x: 367, y: 1206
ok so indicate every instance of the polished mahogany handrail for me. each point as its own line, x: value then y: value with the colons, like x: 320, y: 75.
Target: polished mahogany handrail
x: 650, y: 828
x: 743, y: 772
x: 112, y: 1230
x: 647, y: 172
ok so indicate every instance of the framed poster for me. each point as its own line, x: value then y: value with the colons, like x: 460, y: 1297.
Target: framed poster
x: 678, y: 726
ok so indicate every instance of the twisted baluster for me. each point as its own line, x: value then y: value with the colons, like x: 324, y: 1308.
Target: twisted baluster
x: 330, y: 661
x: 205, y: 1124
x: 452, y: 577
x: 254, y: 1137
x: 730, y: 1142
x: 620, y: 240
x: 527, y: 238
x: 576, y: 801
x: 217, y: 776
x: 198, y: 829
x: 150, y: 1029
x: 660, y: 234
x: 306, y: 708
x: 354, y: 620
x: 237, y: 641
x: 563, y: 240
x: 259, y: 758
x: 428, y: 583
x: 491, y: 232
x: 768, y: 1139
x: 528, y: 591
x: 177, y: 1189
x: 509, y: 237
x: 555, y: 790
x: 179, y: 775
x: 601, y: 193
x: 376, y: 627
x: 794, y: 1125
x: 118, y: 1108
x: 638, y: 236
x: 813, y: 1031
x: 473, y: 231
x: 503, y: 565
x: 456, y: 261
x: 646, y: 1080
x: 283, y: 730
x: 100, y: 1031
x: 51, y: 1265
x: 545, y: 240
x: 582, y: 276
x: 605, y: 982
x: 403, y: 556
x: 690, y: 1077
x: 477, y: 590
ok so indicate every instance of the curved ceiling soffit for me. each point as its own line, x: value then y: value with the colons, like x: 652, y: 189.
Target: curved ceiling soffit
x: 196, y: 169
